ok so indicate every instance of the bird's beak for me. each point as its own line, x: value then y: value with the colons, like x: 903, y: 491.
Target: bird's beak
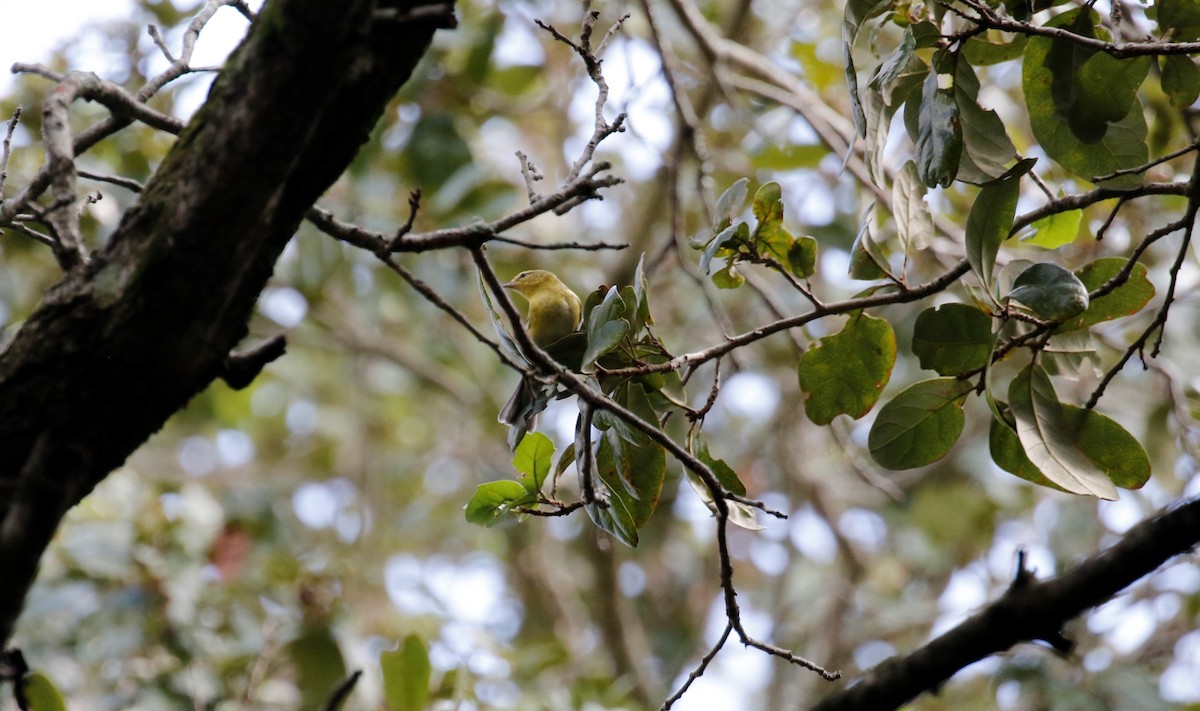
x: 507, y: 284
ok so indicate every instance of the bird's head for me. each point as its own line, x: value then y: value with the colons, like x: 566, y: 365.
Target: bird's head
x: 531, y: 281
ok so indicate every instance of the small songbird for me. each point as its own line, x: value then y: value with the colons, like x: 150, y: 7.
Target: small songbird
x: 554, y: 312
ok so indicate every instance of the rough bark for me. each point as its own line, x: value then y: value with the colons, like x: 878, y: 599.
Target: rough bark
x: 125, y: 340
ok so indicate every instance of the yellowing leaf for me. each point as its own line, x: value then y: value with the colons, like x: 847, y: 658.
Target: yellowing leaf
x: 42, y: 694
x: 406, y: 674
x: 844, y: 373
x: 1057, y: 230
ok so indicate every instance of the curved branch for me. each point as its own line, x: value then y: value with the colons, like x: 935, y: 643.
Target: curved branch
x: 1028, y: 611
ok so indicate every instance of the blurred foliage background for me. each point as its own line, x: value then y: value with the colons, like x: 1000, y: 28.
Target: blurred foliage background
x: 269, y: 540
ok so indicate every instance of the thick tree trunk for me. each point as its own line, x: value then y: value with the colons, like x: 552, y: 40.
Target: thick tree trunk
x: 122, y: 342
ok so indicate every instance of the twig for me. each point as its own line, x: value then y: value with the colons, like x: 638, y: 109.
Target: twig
x: 241, y: 368
x: 1188, y: 224
x: 86, y: 85
x: 531, y: 174
x: 731, y: 343
x: 1147, y: 166
x: 342, y: 691
x: 68, y: 245
x: 107, y: 127
x: 583, y: 448
x: 699, y: 670
x: 469, y: 236
x: 414, y: 204
x: 584, y: 246
x: 127, y: 183
x: 601, y: 128
x: 7, y: 145
x: 160, y: 42
x: 1119, y: 50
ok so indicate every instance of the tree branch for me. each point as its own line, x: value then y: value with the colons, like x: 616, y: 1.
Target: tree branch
x: 123, y: 342
x: 1028, y: 611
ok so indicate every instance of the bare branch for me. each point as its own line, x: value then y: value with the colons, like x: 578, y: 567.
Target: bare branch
x: 107, y: 127
x: 242, y: 367
x: 992, y: 20
x: 470, y: 236
x: 1028, y: 611
x: 7, y: 145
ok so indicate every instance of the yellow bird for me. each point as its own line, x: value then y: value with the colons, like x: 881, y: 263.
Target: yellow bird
x: 554, y: 312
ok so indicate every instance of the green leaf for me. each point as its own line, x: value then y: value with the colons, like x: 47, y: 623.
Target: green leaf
x: 772, y: 239
x: 632, y: 397
x: 612, y: 517
x: 939, y: 133
x: 843, y: 374
x: 728, y: 277
x: 1069, y: 115
x: 952, y: 339
x: 318, y: 662
x: 802, y: 256
x: 919, y: 425
x: 1180, y: 80
x: 406, y: 675
x: 1045, y: 435
x: 1070, y: 353
x: 632, y: 313
x: 1009, y: 455
x: 633, y: 473
x: 565, y: 460
x: 1090, y: 88
x: 41, y: 693
x: 1109, y: 446
x: 730, y: 204
x: 867, y: 260
x: 897, y: 61
x: 986, y: 146
x: 494, y: 501
x: 606, y: 328
x: 1053, y: 293
x: 533, y: 458
x: 914, y: 224
x: 980, y: 52
x: 507, y: 344
x: 857, y: 12
x: 988, y: 225
x: 1126, y: 299
x: 740, y: 515
x: 641, y: 290
x: 739, y: 232
x: 881, y: 105
x: 768, y: 206
x: 724, y: 473
x: 1104, y: 442
x: 1179, y: 19
x: 1056, y: 230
